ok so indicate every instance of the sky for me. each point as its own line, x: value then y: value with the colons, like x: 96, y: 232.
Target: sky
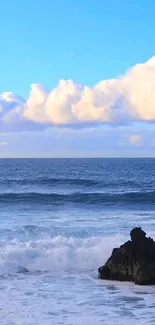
x: 77, y: 78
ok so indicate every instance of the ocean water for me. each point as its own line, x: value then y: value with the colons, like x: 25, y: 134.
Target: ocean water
x: 60, y: 220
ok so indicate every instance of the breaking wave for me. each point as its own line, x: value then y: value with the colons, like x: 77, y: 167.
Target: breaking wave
x: 56, y: 254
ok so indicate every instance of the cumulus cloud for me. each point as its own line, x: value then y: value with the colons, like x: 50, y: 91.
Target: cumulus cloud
x: 118, y: 101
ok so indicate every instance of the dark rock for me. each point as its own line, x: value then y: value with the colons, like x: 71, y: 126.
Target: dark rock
x: 22, y: 269
x: 133, y: 261
x: 137, y: 234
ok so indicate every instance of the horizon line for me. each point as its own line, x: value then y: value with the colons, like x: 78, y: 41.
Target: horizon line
x: 140, y: 157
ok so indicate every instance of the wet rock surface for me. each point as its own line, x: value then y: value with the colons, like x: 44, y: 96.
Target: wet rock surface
x: 133, y: 261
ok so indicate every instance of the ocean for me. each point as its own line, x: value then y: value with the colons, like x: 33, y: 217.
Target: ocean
x: 60, y: 220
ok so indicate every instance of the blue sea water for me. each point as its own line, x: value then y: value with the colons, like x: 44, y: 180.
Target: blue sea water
x: 60, y: 220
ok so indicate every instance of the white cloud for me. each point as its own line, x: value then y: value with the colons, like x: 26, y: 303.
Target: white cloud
x: 135, y: 139
x: 100, y: 141
x: 117, y: 101
x: 3, y: 143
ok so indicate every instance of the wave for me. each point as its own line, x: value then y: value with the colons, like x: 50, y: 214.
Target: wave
x: 79, y: 182
x: 145, y: 197
x: 52, y: 181
x: 56, y: 254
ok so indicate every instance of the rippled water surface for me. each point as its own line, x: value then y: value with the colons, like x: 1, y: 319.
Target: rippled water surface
x: 59, y: 220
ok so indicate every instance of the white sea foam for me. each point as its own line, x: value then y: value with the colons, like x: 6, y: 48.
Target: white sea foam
x: 68, y: 293
x: 57, y: 254
x: 66, y: 289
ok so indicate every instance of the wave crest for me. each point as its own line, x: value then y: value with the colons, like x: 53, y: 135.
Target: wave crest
x: 57, y: 254
x: 144, y: 197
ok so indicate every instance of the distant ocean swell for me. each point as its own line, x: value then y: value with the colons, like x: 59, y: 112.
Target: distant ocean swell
x: 80, y: 182
x: 52, y: 181
x: 139, y: 197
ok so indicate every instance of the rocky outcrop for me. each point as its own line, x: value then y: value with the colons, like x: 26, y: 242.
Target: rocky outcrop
x: 134, y: 261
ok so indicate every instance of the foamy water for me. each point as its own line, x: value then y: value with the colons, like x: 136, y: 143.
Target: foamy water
x: 51, y: 246
x: 62, y: 287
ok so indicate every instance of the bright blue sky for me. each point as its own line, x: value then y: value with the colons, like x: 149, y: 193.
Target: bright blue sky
x: 86, y: 41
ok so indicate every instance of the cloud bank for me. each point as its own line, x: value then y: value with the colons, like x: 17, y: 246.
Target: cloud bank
x: 122, y: 101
